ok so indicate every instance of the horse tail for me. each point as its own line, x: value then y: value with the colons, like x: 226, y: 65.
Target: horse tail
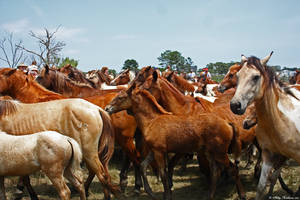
x: 235, y: 146
x: 75, y: 160
x: 106, y: 147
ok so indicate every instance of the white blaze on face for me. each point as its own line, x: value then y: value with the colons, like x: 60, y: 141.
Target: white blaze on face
x: 131, y: 76
x: 209, y: 88
x: 292, y: 114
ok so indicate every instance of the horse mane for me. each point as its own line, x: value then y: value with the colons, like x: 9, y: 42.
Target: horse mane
x: 270, y: 74
x: 64, y: 81
x: 152, y: 99
x: 178, y: 95
x: 183, y: 84
x: 8, y: 107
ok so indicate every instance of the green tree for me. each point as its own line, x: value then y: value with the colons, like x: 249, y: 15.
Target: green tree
x: 112, y: 71
x: 64, y: 61
x: 174, y: 59
x: 130, y: 64
x: 219, y: 67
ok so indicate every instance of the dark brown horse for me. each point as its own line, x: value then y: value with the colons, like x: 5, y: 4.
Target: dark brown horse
x: 296, y: 78
x: 180, y: 134
x: 76, y: 75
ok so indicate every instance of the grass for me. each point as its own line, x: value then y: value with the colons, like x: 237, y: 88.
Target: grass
x: 191, y: 185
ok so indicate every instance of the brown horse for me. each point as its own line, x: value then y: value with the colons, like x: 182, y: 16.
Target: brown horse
x: 19, y: 86
x: 277, y: 109
x: 125, y: 77
x: 230, y: 79
x: 180, y: 134
x: 174, y: 101
x: 87, y: 123
x: 58, y: 82
x: 76, y: 75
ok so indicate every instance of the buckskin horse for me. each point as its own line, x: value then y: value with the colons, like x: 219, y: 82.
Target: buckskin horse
x: 52, y: 153
x: 179, y: 134
x: 278, y: 114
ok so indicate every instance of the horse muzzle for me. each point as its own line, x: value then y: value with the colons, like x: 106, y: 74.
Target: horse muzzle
x: 236, y: 107
x: 109, y: 109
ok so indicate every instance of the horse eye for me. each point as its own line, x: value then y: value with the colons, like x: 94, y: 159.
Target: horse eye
x: 255, y: 78
x: 230, y: 75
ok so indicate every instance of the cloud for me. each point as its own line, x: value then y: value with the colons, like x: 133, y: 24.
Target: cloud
x: 124, y: 37
x: 18, y: 26
x: 37, y: 10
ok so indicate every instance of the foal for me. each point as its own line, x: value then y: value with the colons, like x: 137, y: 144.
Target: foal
x: 54, y: 154
x: 164, y: 133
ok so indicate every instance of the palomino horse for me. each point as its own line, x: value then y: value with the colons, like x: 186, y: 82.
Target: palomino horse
x: 19, y: 86
x: 230, y: 79
x: 179, y: 134
x: 54, y: 154
x: 278, y: 114
x: 58, y: 82
x: 76, y: 75
x: 123, y: 123
x: 123, y: 78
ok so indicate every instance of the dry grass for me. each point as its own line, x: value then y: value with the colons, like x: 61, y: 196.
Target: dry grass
x: 191, y: 185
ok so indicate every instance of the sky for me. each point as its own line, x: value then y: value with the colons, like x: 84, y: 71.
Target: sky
x: 106, y: 33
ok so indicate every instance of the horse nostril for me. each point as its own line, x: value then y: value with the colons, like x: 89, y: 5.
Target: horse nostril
x: 235, y: 106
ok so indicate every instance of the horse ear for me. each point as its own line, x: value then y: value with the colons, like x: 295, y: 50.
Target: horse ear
x: 47, y: 68
x: 266, y: 59
x: 148, y: 68
x: 155, y: 76
x: 244, y: 58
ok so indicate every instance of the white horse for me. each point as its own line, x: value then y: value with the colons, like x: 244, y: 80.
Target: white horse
x: 54, y: 154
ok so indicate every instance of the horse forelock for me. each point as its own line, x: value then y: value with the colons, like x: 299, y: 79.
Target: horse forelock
x: 8, y: 107
x: 152, y: 99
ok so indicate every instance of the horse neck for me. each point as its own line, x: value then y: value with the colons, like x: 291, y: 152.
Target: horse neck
x: 175, y: 101
x: 33, y: 93
x: 144, y: 113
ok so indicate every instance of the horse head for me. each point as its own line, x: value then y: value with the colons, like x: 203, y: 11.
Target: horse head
x: 253, y: 78
x: 46, y: 77
x: 230, y: 79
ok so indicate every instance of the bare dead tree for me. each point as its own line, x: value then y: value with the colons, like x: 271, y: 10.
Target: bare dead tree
x: 49, y: 48
x: 11, y: 53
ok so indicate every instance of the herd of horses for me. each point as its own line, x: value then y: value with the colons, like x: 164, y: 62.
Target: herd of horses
x: 157, y: 119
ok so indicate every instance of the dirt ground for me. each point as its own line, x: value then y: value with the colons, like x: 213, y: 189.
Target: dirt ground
x: 191, y: 185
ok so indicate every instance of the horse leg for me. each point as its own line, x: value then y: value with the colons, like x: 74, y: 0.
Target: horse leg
x: 267, y: 166
x: 93, y: 163
x: 149, y: 158
x: 76, y: 181
x: 61, y: 186
x: 138, y: 179
x: 30, y: 190
x: 285, y: 187
x: 2, y: 195
x: 172, y: 163
x: 161, y: 163
x: 234, y: 170
x: 249, y: 154
x: 277, y: 169
x: 214, y: 174
x: 124, y: 171
x: 184, y: 161
x: 88, y: 182
x: 257, y: 168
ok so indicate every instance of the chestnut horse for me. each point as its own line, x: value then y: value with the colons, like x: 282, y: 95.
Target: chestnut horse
x: 230, y: 79
x: 278, y: 114
x: 76, y: 118
x: 19, y: 86
x: 124, y: 77
x: 179, y: 134
x: 58, y: 82
x: 52, y: 153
